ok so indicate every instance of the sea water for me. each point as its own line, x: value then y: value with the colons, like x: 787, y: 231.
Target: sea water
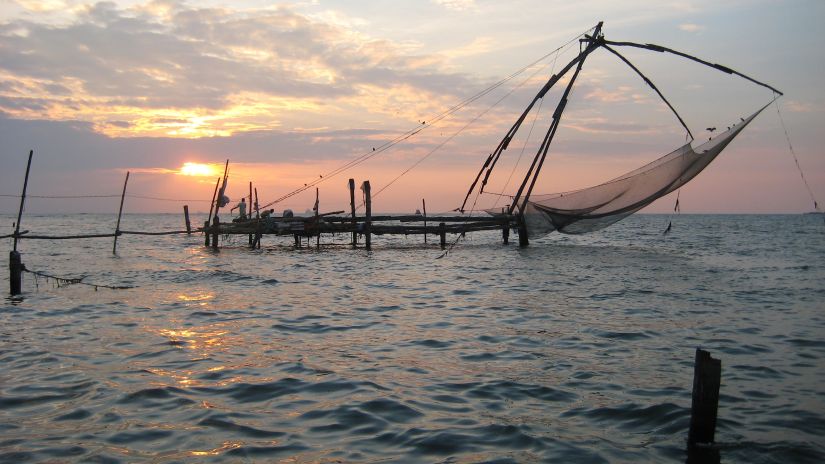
x: 574, y: 349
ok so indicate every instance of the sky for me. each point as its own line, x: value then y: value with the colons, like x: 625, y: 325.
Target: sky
x: 292, y: 92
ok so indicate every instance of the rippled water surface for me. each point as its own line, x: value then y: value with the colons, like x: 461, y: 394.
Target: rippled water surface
x: 575, y: 349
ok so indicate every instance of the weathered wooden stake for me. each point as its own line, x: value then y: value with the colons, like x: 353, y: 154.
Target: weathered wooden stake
x: 523, y: 241
x: 119, y: 213
x: 186, y: 218
x: 22, y: 200
x: 15, y: 273
x: 317, y: 221
x: 251, y: 239
x: 352, y: 207
x: 257, y: 242
x: 206, y: 233
x: 707, y: 376
x: 442, y: 233
x: 424, y: 205
x: 365, y: 187
x: 216, y: 222
x: 505, y: 234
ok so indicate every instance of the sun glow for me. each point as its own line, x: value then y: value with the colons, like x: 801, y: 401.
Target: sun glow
x: 197, y: 169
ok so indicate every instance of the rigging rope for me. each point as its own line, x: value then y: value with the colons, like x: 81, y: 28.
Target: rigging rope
x: 796, y: 160
x: 459, y: 131
x: 406, y: 135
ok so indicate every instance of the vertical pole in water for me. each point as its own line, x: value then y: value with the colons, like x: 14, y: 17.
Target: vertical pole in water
x: 368, y: 212
x: 707, y: 375
x: 257, y: 242
x: 352, y: 207
x: 505, y: 233
x: 186, y: 218
x: 216, y: 221
x: 22, y: 199
x: 523, y: 241
x: 317, y: 220
x: 442, y: 233
x: 211, y: 208
x: 15, y: 273
x: 15, y: 261
x: 251, y: 240
x: 120, y: 213
x: 424, y: 205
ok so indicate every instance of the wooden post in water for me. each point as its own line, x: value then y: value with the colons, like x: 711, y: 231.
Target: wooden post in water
x: 251, y: 239
x: 15, y: 273
x: 505, y: 234
x: 211, y: 208
x: 352, y: 207
x: 120, y: 213
x: 257, y: 242
x: 424, y: 205
x: 186, y: 218
x: 523, y: 241
x: 707, y: 376
x: 216, y: 221
x: 365, y: 187
x: 22, y: 199
x: 15, y: 261
x: 317, y: 221
x: 442, y: 233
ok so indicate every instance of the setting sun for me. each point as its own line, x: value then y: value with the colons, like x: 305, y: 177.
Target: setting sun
x: 197, y: 169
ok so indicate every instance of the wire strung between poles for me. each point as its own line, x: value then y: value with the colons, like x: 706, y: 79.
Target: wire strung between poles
x: 796, y: 160
x: 408, y: 134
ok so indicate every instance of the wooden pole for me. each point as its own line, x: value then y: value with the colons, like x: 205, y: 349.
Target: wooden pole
x: 707, y: 376
x: 424, y: 205
x: 365, y: 187
x: 22, y: 199
x: 317, y: 220
x: 523, y: 241
x: 15, y: 273
x: 505, y: 234
x: 120, y: 213
x: 442, y: 233
x: 212, y: 205
x: 352, y: 207
x: 257, y: 242
x: 186, y: 218
x: 251, y: 239
x: 216, y: 221
x: 211, y: 209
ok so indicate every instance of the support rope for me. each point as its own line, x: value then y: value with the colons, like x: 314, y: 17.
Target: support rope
x: 796, y: 159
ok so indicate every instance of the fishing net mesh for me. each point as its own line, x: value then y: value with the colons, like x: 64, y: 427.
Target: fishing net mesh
x: 597, y: 207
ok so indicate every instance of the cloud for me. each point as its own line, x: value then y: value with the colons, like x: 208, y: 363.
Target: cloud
x: 795, y: 106
x: 690, y: 27
x: 456, y: 5
x: 220, y: 70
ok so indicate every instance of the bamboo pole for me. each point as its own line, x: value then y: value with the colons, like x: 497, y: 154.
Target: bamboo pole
x: 257, y: 242
x: 211, y: 208
x: 365, y: 187
x: 317, y: 220
x: 120, y: 213
x: 22, y: 199
x: 216, y: 221
x: 424, y: 205
x: 352, y: 207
